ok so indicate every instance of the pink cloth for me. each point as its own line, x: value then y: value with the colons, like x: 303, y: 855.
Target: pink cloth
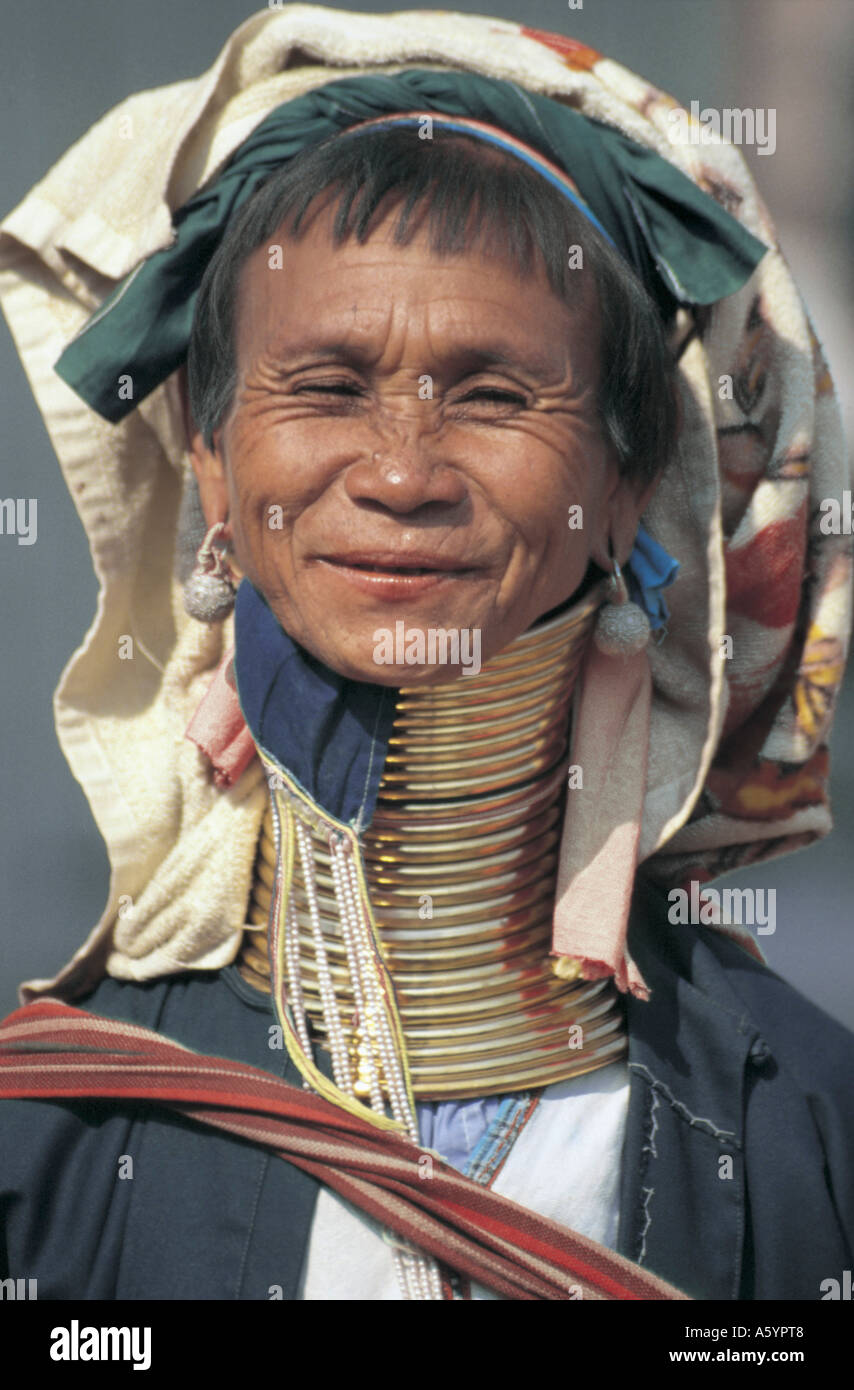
x: 601, y: 831
x: 219, y: 729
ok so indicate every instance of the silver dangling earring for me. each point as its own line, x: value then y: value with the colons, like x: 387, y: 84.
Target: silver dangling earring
x: 210, y: 588
x: 622, y: 627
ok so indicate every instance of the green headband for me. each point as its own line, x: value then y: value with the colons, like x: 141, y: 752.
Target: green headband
x: 685, y: 248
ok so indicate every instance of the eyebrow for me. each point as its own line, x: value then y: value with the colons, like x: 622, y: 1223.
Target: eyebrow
x: 463, y: 358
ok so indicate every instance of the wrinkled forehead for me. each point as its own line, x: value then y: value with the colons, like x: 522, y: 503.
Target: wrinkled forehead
x: 307, y: 294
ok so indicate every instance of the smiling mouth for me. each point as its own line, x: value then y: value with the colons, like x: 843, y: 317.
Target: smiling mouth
x: 388, y: 579
x: 392, y: 564
x: 373, y: 568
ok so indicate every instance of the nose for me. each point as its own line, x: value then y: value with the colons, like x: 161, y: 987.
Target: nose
x: 402, y: 478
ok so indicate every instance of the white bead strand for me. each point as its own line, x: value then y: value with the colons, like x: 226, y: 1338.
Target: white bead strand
x: 331, y: 1015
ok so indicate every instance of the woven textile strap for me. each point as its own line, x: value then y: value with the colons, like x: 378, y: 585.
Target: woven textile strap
x: 50, y: 1050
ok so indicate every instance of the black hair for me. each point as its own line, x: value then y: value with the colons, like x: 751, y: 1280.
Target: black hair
x: 470, y: 195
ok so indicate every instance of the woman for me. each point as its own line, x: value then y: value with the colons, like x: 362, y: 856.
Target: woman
x: 442, y: 332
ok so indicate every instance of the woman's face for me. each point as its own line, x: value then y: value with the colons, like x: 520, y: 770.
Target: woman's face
x: 408, y: 435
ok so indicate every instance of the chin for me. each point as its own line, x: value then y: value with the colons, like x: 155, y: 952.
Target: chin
x: 395, y: 676
x: 424, y: 676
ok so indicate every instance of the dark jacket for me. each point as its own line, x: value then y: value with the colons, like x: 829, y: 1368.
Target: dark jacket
x: 736, y: 1176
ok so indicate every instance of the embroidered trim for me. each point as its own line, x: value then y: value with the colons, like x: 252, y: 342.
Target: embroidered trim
x: 493, y: 1150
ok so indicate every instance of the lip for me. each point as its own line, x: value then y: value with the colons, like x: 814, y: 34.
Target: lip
x: 393, y: 559
x: 383, y: 573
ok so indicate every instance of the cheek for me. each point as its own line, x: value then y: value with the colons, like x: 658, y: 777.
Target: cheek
x: 260, y: 524
x: 274, y: 477
x: 550, y: 493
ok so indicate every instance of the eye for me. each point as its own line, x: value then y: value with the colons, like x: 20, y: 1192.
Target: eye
x: 495, y: 393
x: 337, y: 388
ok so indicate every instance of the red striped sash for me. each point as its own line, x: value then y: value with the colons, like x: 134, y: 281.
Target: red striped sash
x: 49, y: 1050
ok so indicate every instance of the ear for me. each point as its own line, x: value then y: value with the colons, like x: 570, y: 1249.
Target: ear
x: 621, y: 517
x: 207, y: 463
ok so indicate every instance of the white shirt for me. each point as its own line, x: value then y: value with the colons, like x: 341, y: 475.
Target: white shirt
x: 564, y: 1163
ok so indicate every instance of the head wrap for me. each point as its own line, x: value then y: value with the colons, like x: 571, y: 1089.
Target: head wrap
x: 737, y: 763
x: 684, y: 247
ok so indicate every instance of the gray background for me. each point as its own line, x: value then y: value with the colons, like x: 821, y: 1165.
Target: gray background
x: 65, y: 63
